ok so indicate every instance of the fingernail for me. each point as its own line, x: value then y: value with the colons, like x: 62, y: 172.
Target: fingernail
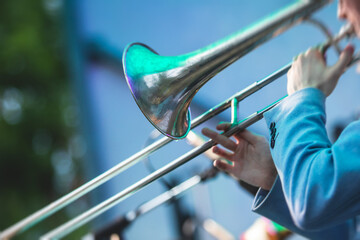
x: 349, y: 47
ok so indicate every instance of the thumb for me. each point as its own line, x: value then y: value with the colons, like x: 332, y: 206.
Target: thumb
x: 345, y: 57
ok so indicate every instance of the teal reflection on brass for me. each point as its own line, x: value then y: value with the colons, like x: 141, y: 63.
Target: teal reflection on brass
x: 142, y: 60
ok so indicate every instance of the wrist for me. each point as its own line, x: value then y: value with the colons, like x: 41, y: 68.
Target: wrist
x: 270, y: 180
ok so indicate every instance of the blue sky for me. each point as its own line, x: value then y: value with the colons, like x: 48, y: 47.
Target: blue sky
x: 178, y: 27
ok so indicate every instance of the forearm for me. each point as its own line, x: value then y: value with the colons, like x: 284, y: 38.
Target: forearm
x: 272, y: 205
x: 315, y: 175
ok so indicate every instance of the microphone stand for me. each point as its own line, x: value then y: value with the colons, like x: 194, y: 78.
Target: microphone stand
x: 117, y: 226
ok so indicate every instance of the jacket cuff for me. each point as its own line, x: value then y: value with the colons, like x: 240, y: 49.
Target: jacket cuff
x: 265, y: 200
x: 306, y: 95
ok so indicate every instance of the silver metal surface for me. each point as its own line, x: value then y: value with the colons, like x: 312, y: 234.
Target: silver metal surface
x: 122, y: 166
x: 82, y: 219
x: 166, y: 197
x: 77, y: 193
x: 82, y: 190
x: 163, y: 87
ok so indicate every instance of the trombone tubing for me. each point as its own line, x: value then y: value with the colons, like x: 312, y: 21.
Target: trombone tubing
x: 114, y: 171
x: 87, y: 216
x: 82, y: 219
x: 122, y: 166
x: 191, y: 71
x: 82, y: 190
x: 173, y: 193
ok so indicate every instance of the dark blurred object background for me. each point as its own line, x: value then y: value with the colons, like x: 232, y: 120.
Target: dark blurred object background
x: 67, y: 115
x: 40, y: 146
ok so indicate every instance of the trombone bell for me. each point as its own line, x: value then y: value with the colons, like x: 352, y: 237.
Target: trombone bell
x: 163, y: 86
x: 157, y: 84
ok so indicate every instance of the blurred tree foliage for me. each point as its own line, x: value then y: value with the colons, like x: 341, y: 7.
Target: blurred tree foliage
x: 40, y: 148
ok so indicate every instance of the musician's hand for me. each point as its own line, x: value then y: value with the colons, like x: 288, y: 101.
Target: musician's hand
x: 249, y: 154
x: 310, y: 70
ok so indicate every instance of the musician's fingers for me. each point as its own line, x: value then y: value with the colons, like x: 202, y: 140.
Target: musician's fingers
x: 222, y: 153
x: 346, y: 55
x: 222, y: 165
x: 223, y: 126
x: 297, y: 57
x: 247, y: 136
x: 220, y: 139
x: 316, y: 53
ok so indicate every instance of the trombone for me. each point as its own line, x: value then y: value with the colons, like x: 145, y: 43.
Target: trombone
x: 166, y: 105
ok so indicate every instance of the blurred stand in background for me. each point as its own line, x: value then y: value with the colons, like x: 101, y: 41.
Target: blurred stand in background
x: 41, y: 146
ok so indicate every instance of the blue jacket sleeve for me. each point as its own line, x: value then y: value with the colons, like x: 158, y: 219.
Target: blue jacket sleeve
x: 320, y: 181
x: 273, y: 206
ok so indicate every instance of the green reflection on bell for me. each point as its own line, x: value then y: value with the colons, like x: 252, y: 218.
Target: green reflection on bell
x: 163, y: 86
